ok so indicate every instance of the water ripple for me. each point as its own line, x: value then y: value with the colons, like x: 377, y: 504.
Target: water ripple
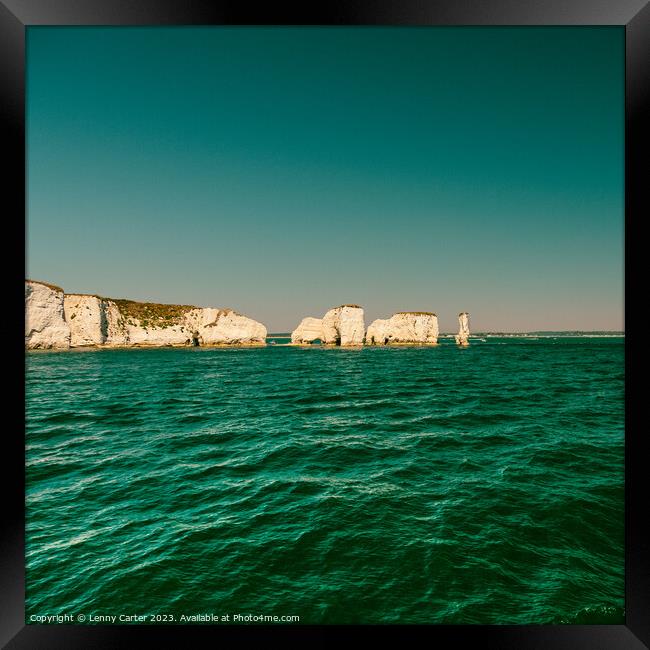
x: 375, y: 485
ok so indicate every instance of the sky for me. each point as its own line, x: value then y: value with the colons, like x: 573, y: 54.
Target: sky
x: 284, y: 171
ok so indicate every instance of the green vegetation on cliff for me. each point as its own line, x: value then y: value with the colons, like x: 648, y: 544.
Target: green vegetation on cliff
x: 151, y: 314
x: 46, y: 284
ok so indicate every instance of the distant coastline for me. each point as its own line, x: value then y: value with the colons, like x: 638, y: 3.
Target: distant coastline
x: 56, y: 320
x: 540, y: 334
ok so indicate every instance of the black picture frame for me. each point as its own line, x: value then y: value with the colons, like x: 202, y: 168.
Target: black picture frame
x: 16, y: 15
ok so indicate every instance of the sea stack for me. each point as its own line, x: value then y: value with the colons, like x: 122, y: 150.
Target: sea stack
x: 343, y: 326
x: 56, y: 320
x: 462, y: 338
x: 309, y: 330
x: 404, y: 328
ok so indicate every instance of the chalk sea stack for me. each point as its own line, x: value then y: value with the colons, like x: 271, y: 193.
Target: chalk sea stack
x: 403, y: 328
x: 462, y: 338
x: 342, y: 326
x: 309, y: 330
x: 56, y: 320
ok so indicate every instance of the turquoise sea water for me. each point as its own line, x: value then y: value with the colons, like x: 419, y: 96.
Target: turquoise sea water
x: 375, y: 485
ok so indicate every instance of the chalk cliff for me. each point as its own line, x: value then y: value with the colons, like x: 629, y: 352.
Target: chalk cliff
x: 411, y: 327
x: 462, y: 338
x: 55, y: 320
x: 85, y: 318
x: 116, y: 328
x: 309, y: 330
x: 45, y: 324
x: 224, y: 327
x: 344, y: 326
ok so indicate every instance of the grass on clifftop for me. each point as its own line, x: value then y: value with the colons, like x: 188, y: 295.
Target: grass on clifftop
x: 45, y: 284
x: 355, y: 306
x: 416, y: 313
x: 151, y: 313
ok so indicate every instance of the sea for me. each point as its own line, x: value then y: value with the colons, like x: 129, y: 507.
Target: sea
x: 312, y: 485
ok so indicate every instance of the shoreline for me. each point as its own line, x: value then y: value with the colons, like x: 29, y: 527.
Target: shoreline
x: 317, y: 346
x: 140, y: 346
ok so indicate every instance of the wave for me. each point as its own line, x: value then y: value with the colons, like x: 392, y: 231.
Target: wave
x: 596, y: 615
x: 393, y: 486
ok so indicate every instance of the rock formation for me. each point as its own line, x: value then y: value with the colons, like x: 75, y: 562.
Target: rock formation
x: 309, y: 330
x: 85, y: 317
x: 408, y: 327
x: 224, y: 327
x: 462, y: 338
x: 340, y: 326
x: 45, y: 324
x: 343, y: 326
x: 377, y: 332
x: 55, y: 320
x: 116, y: 330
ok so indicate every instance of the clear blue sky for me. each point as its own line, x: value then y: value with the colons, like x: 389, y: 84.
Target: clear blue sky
x: 283, y: 171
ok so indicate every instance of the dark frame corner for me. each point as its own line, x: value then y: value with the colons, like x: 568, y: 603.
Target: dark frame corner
x: 17, y: 15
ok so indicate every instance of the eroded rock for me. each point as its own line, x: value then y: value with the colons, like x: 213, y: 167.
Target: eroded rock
x: 309, y: 330
x: 462, y: 338
x: 344, y: 326
x: 412, y: 327
x: 45, y: 324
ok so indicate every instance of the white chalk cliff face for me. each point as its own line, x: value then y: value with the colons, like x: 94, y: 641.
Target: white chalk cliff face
x: 462, y: 338
x: 45, y: 324
x: 404, y: 328
x: 344, y: 326
x: 55, y: 320
x: 198, y: 326
x: 85, y: 317
x: 116, y: 329
x: 309, y: 330
x: 224, y: 327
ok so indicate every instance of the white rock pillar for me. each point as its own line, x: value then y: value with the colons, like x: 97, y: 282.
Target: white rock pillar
x: 310, y: 329
x: 462, y: 338
x: 377, y: 332
x: 344, y: 326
